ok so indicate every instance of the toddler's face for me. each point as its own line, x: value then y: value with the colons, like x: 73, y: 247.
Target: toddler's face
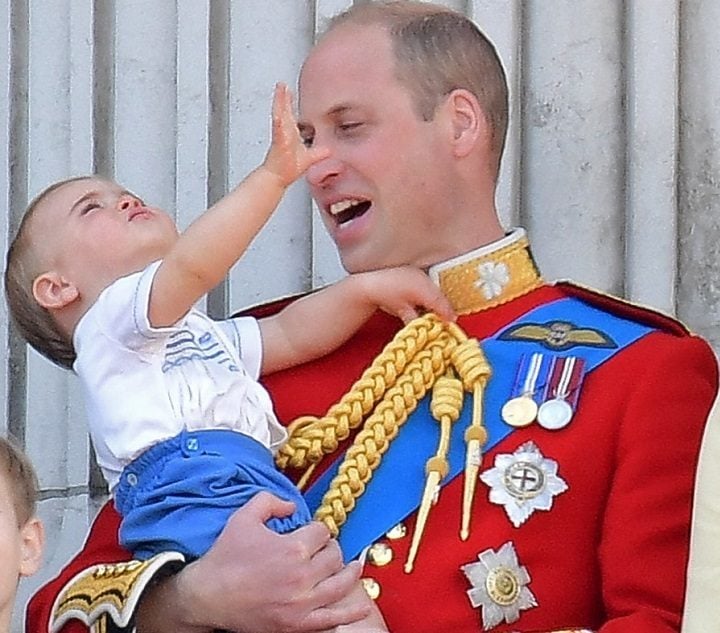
x: 20, y: 551
x: 94, y: 231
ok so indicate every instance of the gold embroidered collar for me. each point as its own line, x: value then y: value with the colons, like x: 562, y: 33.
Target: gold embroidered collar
x: 489, y: 276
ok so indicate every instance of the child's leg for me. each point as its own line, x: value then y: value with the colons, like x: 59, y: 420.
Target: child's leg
x: 179, y: 494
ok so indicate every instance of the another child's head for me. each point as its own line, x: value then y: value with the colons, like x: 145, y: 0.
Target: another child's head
x: 75, y: 239
x: 21, y: 533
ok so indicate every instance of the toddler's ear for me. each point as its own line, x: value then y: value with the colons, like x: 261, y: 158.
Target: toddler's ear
x: 52, y: 291
x: 33, y: 543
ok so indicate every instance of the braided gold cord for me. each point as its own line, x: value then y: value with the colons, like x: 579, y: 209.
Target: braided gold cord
x: 447, y: 398
x: 384, y: 396
x: 471, y: 364
x: 311, y: 438
x: 381, y: 427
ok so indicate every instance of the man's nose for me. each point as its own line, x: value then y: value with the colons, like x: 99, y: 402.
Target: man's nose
x: 324, y: 172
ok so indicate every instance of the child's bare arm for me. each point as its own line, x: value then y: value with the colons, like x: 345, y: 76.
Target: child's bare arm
x: 324, y: 320
x: 205, y: 252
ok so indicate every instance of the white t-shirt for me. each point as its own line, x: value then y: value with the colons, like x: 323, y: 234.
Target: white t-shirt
x: 143, y: 385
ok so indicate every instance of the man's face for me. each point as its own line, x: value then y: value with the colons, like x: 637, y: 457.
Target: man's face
x: 93, y: 231
x: 381, y: 191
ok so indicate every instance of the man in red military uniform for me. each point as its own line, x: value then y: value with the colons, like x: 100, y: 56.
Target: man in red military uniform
x: 555, y: 495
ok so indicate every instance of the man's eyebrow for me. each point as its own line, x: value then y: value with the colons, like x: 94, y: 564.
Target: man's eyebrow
x: 339, y: 109
x: 332, y: 113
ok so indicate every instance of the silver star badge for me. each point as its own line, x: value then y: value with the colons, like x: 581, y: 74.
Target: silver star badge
x: 499, y: 586
x: 523, y: 482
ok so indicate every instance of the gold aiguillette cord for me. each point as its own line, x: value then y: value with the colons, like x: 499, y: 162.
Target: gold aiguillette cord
x: 475, y: 437
x: 475, y: 371
x: 445, y: 406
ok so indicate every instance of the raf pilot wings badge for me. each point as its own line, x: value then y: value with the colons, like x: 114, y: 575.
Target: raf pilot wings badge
x: 558, y: 335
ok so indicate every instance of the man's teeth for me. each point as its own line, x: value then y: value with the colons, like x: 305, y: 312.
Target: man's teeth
x: 339, y: 207
x: 345, y: 211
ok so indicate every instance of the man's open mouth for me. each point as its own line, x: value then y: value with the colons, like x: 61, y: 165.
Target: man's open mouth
x: 347, y: 210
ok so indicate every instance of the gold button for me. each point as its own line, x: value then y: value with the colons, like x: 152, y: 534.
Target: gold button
x: 372, y: 587
x: 380, y: 554
x: 399, y: 531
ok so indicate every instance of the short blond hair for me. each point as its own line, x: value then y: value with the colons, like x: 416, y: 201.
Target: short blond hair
x: 18, y: 472
x: 35, y: 323
x: 438, y: 50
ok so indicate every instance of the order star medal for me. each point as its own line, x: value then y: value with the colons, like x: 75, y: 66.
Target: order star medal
x: 523, y: 481
x: 499, y: 586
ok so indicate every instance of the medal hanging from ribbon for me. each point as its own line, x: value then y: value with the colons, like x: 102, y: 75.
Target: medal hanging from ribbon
x: 546, y: 389
x: 561, y: 393
x: 530, y: 380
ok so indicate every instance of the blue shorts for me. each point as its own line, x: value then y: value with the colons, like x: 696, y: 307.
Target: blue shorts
x: 179, y: 494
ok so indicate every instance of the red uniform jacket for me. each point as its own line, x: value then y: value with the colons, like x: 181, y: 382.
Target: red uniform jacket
x: 610, y: 554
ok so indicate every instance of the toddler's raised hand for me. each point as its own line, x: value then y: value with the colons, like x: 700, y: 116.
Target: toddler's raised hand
x: 288, y: 157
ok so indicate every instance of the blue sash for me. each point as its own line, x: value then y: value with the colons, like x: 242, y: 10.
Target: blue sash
x: 396, y: 487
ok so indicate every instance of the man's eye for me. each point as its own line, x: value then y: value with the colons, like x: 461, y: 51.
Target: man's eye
x: 349, y: 127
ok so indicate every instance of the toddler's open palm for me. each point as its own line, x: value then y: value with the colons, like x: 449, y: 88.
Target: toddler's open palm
x: 288, y: 157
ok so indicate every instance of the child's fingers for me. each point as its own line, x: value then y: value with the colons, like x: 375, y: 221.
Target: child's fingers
x: 283, y: 118
x: 408, y: 292
x: 277, y: 104
x: 431, y: 298
x: 286, y: 103
x: 282, y: 99
x: 438, y: 305
x: 407, y: 313
x: 442, y: 307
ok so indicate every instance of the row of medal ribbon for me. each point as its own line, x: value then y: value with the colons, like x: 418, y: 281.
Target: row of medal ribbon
x: 546, y: 389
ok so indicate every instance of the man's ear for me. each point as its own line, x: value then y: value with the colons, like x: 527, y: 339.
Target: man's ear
x: 52, y: 291
x: 32, y: 546
x: 467, y: 119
